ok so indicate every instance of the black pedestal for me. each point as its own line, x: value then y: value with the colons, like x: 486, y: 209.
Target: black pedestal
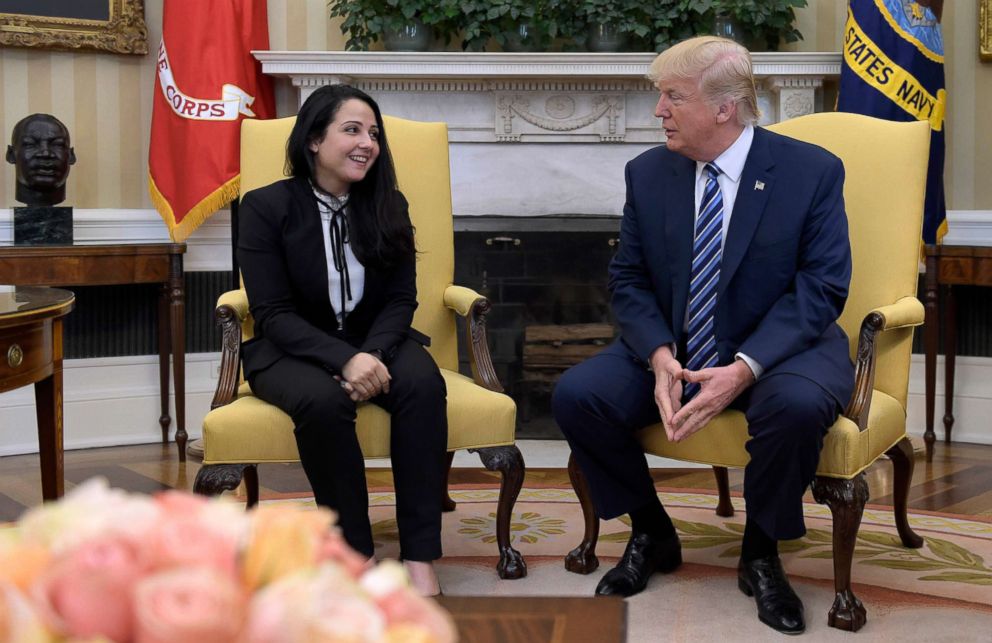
x: 41, y: 225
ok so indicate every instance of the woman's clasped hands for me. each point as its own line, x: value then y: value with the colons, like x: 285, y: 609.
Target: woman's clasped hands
x: 364, y: 376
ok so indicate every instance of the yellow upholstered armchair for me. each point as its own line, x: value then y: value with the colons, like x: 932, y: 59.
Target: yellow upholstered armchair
x: 242, y: 431
x: 886, y: 166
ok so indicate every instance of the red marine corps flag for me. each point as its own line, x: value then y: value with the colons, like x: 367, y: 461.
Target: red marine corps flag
x: 206, y: 82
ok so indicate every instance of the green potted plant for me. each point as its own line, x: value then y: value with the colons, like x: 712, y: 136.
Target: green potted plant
x: 763, y: 24
x: 401, y: 24
x: 661, y: 24
x: 535, y: 25
x: 758, y: 24
x: 515, y: 25
x: 605, y: 24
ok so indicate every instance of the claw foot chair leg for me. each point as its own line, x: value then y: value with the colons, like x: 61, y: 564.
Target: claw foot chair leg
x: 846, y: 499
x: 902, y: 465
x: 724, y: 508
x: 212, y: 479
x: 582, y: 559
x: 447, y: 504
x: 510, y: 463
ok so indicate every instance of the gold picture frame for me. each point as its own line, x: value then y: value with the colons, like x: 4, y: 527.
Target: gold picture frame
x: 122, y: 32
x: 985, y: 30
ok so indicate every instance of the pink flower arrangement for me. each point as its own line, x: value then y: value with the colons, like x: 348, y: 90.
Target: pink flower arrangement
x: 105, y: 565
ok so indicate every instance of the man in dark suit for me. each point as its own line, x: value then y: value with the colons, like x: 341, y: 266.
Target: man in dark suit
x: 733, y: 267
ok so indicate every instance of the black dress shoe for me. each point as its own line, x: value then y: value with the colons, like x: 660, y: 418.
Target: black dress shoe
x: 644, y: 556
x: 778, y: 606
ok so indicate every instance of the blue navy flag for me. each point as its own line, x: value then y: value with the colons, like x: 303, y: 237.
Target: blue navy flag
x: 894, y: 69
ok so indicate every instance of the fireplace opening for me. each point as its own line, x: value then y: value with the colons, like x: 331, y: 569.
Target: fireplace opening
x: 544, y: 271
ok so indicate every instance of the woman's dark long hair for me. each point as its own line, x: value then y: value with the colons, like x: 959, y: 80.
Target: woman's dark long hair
x: 380, y: 235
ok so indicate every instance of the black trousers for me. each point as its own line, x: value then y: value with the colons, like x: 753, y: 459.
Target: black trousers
x: 324, y: 416
x: 601, y: 403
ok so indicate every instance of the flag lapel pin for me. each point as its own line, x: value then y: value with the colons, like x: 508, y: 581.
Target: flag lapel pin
x: 759, y: 185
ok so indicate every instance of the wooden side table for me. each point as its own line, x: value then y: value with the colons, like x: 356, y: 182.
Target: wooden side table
x: 31, y: 353
x: 947, y: 266
x: 114, y: 265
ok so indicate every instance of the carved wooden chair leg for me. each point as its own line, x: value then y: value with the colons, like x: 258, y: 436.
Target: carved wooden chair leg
x: 724, y: 507
x: 846, y: 499
x: 902, y: 465
x: 510, y: 463
x: 582, y: 559
x: 251, y: 485
x: 212, y: 479
x: 447, y: 504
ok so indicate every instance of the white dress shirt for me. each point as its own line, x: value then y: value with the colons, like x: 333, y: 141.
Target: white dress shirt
x: 356, y: 271
x: 731, y: 164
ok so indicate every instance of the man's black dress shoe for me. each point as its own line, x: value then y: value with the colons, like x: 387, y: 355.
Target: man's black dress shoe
x: 778, y: 605
x: 644, y: 556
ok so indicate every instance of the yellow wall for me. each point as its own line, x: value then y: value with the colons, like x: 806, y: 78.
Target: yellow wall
x: 105, y: 99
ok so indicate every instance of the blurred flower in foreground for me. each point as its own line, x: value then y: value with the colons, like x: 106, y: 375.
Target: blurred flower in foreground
x: 102, y: 565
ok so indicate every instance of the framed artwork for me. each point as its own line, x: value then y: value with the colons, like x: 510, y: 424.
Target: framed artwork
x: 985, y: 30
x: 116, y: 26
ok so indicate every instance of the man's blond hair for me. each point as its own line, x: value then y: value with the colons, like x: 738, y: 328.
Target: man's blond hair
x: 722, y: 67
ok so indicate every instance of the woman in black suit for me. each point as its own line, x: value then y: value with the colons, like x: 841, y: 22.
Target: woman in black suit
x: 328, y: 260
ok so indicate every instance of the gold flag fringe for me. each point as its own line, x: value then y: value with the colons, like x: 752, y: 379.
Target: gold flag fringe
x: 199, y: 213
x: 941, y: 231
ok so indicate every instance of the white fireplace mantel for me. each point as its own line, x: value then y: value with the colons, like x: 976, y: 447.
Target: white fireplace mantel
x: 476, y: 65
x: 538, y: 133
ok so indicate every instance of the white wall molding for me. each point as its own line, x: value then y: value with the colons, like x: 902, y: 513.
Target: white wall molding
x: 475, y: 65
x: 968, y: 228
x: 110, y: 402
x: 208, y: 249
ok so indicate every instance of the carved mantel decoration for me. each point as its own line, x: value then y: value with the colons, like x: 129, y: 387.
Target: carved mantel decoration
x: 533, y: 116
x: 116, y: 26
x: 790, y: 84
x: 539, y: 133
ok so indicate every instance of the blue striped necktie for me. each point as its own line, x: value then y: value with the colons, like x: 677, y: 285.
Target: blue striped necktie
x: 706, y: 255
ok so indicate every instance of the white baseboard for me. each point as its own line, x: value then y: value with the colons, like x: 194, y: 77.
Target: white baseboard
x: 110, y: 402
x: 115, y: 401
x: 972, y: 399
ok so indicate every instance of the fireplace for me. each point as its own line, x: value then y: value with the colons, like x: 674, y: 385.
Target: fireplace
x: 526, y: 267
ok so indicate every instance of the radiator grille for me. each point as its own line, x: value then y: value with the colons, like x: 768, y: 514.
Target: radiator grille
x: 114, y: 321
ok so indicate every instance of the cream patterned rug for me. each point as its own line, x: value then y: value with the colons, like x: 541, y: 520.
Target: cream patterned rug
x: 941, y: 592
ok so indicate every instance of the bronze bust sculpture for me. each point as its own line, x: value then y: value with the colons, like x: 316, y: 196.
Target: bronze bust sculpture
x: 40, y: 150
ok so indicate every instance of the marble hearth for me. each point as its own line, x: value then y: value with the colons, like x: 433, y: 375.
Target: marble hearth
x: 538, y: 134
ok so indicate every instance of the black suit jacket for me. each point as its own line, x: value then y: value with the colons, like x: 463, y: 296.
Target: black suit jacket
x: 284, y: 267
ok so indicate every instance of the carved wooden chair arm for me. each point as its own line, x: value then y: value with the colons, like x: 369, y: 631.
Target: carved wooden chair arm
x: 237, y: 300
x: 230, y: 313
x: 473, y: 306
x: 905, y: 313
